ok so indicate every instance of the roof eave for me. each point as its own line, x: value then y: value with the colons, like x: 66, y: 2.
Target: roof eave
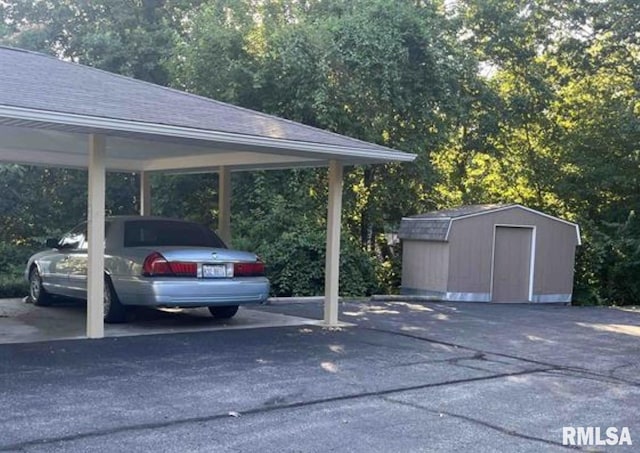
x: 352, y: 155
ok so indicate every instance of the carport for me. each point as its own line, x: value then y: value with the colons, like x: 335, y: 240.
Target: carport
x: 60, y: 114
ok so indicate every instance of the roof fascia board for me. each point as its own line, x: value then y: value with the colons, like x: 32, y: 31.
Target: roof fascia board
x: 200, y: 134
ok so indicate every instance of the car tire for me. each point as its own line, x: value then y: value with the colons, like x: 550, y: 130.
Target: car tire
x: 114, y: 311
x: 225, y: 312
x: 37, y: 293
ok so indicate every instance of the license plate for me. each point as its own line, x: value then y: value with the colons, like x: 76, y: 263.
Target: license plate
x: 214, y: 271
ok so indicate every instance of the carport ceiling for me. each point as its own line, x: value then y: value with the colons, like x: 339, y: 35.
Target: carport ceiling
x: 48, y: 106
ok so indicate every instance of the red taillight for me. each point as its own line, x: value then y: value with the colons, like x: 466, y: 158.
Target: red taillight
x: 155, y: 264
x: 248, y: 269
x: 184, y: 269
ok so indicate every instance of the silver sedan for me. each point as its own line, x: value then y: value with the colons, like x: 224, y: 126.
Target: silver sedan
x: 151, y: 261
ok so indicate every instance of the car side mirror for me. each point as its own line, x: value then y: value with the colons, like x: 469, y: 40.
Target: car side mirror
x: 52, y: 243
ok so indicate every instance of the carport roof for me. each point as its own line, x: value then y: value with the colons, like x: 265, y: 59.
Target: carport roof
x: 47, y: 106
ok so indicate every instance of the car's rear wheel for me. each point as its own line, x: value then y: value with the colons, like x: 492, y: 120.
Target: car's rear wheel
x: 37, y: 293
x: 114, y: 311
x: 226, y: 312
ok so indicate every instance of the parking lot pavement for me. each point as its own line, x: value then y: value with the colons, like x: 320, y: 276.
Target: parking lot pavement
x: 408, y: 377
x: 602, y: 339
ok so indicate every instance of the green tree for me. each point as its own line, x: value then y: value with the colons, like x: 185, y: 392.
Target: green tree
x: 383, y: 71
x: 503, y: 100
x: 129, y: 37
x: 564, y: 78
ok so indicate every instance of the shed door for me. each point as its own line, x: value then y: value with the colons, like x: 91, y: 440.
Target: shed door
x: 511, y: 264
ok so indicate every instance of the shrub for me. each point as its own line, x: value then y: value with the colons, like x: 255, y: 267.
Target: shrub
x: 296, y: 262
x: 12, y: 286
x: 608, y: 263
x: 13, y: 259
x: 389, y: 269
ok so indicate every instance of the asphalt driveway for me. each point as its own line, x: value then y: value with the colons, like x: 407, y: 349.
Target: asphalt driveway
x: 407, y: 377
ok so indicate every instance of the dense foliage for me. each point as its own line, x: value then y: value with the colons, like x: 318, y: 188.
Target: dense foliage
x: 529, y: 101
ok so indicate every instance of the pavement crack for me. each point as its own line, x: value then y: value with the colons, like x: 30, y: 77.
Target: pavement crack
x: 431, y: 362
x: 580, y: 375
x: 258, y: 410
x: 501, y: 429
x: 468, y: 367
x: 614, y: 370
x: 572, y: 369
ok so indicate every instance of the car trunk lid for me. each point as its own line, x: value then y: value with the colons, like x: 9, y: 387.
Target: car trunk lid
x: 205, y: 255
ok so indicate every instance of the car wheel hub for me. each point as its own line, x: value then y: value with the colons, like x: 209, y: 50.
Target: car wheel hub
x: 35, y: 287
x: 107, y: 299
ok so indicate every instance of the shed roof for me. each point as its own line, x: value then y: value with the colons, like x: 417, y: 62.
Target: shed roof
x: 44, y: 93
x: 435, y: 225
x: 461, y: 211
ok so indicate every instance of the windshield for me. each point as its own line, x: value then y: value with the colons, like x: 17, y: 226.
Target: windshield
x: 77, y: 239
x: 157, y: 233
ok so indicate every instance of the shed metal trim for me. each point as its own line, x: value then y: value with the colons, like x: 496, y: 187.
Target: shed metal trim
x: 446, y: 236
x: 552, y: 298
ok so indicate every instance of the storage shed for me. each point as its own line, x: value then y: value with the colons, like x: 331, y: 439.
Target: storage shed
x: 489, y: 253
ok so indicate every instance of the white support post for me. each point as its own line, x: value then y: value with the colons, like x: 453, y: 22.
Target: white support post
x: 95, y: 233
x: 332, y: 264
x: 145, y: 193
x: 224, y: 205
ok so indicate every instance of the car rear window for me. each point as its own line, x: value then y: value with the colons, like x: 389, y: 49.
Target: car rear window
x: 155, y: 233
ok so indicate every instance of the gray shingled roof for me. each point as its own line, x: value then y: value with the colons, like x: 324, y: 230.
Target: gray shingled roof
x: 425, y: 230
x: 462, y: 211
x: 433, y: 226
x: 39, y: 82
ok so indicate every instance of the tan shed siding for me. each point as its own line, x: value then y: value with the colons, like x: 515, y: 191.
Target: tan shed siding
x: 555, y: 256
x: 471, y: 251
x: 470, y: 254
x: 425, y: 265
